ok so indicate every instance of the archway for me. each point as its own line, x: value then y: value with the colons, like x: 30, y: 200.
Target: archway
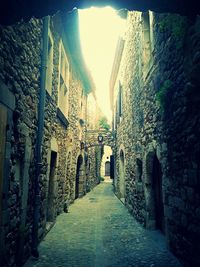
x: 79, y: 174
x: 154, y: 194
x: 107, y: 168
x: 121, y: 176
x: 106, y: 163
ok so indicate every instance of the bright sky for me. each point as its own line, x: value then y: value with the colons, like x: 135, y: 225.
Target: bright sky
x: 99, y: 32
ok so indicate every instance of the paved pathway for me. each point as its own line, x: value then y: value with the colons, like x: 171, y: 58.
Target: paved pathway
x: 99, y: 231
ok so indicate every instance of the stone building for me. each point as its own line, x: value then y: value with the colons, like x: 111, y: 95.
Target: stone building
x: 155, y: 93
x: 44, y: 86
x: 154, y: 87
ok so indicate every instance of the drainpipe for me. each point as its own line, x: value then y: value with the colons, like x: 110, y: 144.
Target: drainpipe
x: 39, y: 137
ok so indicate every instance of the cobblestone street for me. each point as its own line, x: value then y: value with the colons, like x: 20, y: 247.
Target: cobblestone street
x: 99, y: 231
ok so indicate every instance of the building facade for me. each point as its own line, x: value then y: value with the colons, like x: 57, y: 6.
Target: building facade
x: 155, y: 97
x: 43, y: 113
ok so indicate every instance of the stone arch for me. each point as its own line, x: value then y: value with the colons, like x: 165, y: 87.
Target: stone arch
x: 147, y: 18
x: 105, y: 161
x: 122, y: 175
x: 153, y: 192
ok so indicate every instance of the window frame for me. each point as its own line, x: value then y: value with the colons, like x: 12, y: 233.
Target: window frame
x: 63, y: 80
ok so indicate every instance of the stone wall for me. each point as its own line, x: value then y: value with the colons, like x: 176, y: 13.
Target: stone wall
x: 128, y: 131
x: 20, y: 64
x: 19, y: 74
x: 181, y: 120
x: 157, y: 132
x: 63, y: 139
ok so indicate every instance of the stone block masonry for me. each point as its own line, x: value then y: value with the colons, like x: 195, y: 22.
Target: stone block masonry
x: 20, y: 65
x: 19, y: 75
x: 157, y: 127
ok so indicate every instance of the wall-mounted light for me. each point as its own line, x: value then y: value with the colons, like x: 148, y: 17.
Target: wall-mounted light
x: 100, y: 138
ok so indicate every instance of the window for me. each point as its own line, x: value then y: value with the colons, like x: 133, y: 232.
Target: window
x: 116, y: 113
x: 119, y: 104
x: 148, y: 41
x: 49, y: 71
x: 151, y: 22
x: 120, y: 99
x: 63, y: 88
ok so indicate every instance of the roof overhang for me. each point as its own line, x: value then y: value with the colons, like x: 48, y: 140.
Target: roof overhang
x: 71, y: 41
x: 12, y: 11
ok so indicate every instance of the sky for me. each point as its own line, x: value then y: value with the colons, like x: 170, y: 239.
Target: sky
x: 99, y: 32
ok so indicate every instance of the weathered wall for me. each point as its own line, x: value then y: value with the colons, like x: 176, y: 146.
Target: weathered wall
x: 19, y: 72
x: 181, y: 120
x: 60, y: 138
x: 159, y: 128
x: 128, y: 131
x: 20, y: 64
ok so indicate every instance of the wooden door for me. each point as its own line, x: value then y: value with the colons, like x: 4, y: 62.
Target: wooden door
x: 107, y: 168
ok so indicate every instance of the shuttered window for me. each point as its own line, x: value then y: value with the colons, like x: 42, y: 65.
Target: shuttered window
x: 63, y: 86
x: 49, y: 71
x: 119, y: 104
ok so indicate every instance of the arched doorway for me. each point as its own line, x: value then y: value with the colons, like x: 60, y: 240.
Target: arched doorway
x: 154, y: 194
x: 79, y: 171
x: 158, y: 195
x: 107, y: 168
x: 51, y: 182
x: 121, y: 176
x: 106, y: 164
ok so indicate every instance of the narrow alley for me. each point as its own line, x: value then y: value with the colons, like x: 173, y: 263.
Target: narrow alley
x: 91, y: 92
x: 93, y: 233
